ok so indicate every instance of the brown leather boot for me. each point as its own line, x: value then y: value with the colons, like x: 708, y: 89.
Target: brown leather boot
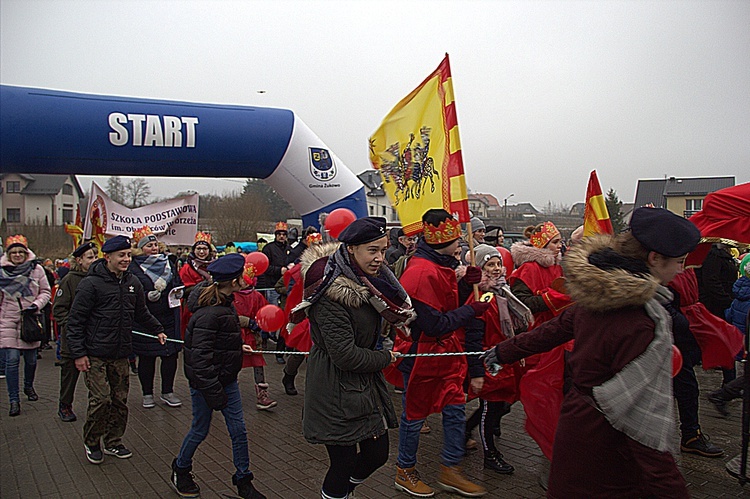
x: 408, y: 480
x: 452, y: 480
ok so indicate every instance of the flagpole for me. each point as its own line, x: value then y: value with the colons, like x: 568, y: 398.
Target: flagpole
x: 472, y: 258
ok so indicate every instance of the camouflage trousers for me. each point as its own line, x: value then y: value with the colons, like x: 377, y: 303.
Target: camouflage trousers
x: 108, y: 381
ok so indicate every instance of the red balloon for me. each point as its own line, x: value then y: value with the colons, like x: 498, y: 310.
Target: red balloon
x: 338, y: 220
x: 676, y: 360
x: 270, y: 318
x: 259, y: 260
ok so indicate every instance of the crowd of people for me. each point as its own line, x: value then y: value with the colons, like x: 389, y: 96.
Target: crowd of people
x: 581, y: 334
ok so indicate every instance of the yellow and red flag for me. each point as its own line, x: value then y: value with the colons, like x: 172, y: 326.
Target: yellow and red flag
x: 417, y: 150
x: 76, y: 230
x: 596, y: 216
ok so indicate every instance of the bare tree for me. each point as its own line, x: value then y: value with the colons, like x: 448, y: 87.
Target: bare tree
x: 116, y: 189
x: 237, y: 218
x: 137, y: 192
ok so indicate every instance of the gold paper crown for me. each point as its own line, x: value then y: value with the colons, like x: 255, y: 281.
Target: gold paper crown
x: 314, y: 238
x: 203, y: 237
x: 544, y: 236
x: 248, y: 274
x: 448, y: 230
x: 17, y: 239
x: 281, y: 226
x: 139, y: 234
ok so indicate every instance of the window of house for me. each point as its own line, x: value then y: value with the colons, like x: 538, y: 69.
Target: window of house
x: 13, y: 215
x: 693, y: 204
x: 13, y: 186
x: 67, y: 189
x: 383, y: 211
x: 372, y: 210
x: 67, y: 216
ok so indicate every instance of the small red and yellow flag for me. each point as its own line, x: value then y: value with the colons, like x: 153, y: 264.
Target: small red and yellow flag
x: 417, y: 150
x: 596, y: 216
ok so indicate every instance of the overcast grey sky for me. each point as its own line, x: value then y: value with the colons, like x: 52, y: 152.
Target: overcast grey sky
x: 545, y: 91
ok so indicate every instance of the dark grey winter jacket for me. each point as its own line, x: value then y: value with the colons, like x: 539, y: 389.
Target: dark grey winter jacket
x: 101, y: 319
x: 346, y: 397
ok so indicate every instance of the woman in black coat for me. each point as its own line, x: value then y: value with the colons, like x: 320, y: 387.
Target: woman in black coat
x: 346, y: 399
x: 158, y: 276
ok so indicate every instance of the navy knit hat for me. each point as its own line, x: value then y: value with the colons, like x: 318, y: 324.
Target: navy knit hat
x: 662, y: 231
x: 227, y: 267
x: 117, y: 243
x: 363, y: 231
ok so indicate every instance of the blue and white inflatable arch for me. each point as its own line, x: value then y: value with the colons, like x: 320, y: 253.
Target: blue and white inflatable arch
x: 47, y: 131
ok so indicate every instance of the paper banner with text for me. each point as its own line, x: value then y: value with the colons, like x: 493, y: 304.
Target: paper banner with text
x: 174, y: 221
x: 417, y: 151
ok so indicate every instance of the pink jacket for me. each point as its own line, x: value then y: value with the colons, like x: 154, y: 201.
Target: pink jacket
x: 10, y: 314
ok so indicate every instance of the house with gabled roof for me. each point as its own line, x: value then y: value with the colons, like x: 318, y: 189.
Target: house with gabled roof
x: 39, y: 198
x: 680, y: 195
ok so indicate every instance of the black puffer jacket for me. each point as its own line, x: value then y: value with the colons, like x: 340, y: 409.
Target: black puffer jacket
x: 168, y: 317
x: 278, y: 256
x: 346, y: 399
x: 213, y: 348
x: 101, y: 319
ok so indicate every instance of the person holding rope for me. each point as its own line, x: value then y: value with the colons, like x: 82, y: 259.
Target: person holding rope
x: 616, y: 435
x: 99, y: 329
x: 435, y: 384
x: 349, y: 291
x: 213, y: 359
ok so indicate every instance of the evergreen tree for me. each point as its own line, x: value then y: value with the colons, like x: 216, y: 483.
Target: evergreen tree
x: 259, y: 190
x: 614, y: 207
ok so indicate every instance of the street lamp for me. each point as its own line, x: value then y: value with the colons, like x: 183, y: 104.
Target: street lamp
x: 505, y: 210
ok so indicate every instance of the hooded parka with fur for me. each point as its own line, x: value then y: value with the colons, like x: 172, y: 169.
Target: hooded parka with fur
x: 345, y: 393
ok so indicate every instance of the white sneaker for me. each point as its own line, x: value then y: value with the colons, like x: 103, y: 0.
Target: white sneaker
x: 170, y: 399
x: 148, y: 401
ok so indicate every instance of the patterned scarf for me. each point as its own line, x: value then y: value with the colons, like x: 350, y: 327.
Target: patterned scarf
x: 638, y: 400
x: 200, y: 265
x: 15, y: 280
x: 387, y: 296
x: 157, y: 268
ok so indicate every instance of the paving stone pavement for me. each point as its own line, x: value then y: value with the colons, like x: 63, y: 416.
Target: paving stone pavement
x: 40, y: 456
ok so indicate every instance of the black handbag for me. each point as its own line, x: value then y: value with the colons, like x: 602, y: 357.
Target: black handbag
x: 31, y: 325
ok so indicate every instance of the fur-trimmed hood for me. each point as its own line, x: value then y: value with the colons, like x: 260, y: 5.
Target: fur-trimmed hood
x: 598, y: 289
x: 342, y: 290
x: 523, y: 252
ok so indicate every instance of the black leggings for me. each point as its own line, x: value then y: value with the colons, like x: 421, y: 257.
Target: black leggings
x: 147, y: 370
x: 487, y: 416
x: 349, y: 468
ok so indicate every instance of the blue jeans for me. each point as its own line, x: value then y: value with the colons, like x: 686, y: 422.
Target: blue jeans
x: 272, y: 297
x: 12, y: 362
x: 454, y: 427
x: 202, y: 423
x: 2, y: 361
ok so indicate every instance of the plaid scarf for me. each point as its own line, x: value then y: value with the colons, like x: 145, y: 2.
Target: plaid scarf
x: 199, y: 265
x: 15, y: 280
x: 638, y: 400
x: 387, y: 296
x: 157, y: 268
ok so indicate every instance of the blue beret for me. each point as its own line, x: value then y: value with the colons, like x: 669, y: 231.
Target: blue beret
x: 227, y: 267
x: 117, y: 243
x: 363, y: 231
x: 662, y: 231
x: 79, y: 251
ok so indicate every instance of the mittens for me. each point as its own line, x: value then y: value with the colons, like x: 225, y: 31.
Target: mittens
x: 153, y: 295
x: 473, y: 275
x: 479, y: 307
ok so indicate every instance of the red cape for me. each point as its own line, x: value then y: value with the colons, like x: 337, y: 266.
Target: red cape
x: 725, y: 217
x: 435, y: 382
x: 720, y: 341
x: 248, y: 303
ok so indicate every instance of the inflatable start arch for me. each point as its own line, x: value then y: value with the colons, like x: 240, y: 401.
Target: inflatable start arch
x: 47, y: 131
